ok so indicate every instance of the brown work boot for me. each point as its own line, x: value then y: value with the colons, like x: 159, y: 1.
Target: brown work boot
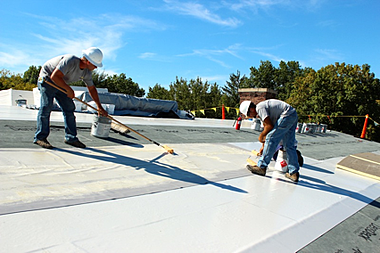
x: 294, y: 177
x: 43, y: 143
x: 256, y: 170
x: 76, y: 144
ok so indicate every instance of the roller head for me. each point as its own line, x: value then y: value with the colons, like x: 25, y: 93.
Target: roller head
x: 170, y: 150
x: 255, y: 153
x: 249, y: 161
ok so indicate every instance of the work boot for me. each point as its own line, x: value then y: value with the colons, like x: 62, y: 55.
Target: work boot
x: 43, y: 143
x: 294, y: 177
x: 256, y: 170
x: 76, y: 144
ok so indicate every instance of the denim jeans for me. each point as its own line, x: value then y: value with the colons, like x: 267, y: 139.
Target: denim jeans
x: 284, y: 129
x: 48, y: 93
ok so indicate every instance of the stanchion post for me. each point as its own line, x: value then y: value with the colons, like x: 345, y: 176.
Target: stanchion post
x: 223, y: 112
x: 364, y: 127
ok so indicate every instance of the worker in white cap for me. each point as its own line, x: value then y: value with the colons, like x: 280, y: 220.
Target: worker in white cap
x: 61, y: 71
x: 280, y: 122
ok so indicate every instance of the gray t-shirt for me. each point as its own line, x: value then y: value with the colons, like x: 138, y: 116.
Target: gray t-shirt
x: 69, y: 66
x: 274, y: 109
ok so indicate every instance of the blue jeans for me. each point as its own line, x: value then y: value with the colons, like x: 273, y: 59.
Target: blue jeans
x: 284, y: 129
x: 48, y: 93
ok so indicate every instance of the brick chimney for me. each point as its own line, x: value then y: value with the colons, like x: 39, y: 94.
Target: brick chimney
x: 256, y: 95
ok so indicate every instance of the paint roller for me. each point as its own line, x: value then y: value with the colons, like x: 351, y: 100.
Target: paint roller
x: 249, y: 160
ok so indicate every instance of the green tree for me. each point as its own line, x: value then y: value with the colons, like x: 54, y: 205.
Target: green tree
x: 280, y: 79
x: 115, y: 83
x: 285, y: 77
x: 199, y: 94
x: 338, y: 90
x: 10, y: 80
x: 31, y: 75
x: 99, y: 79
x: 301, y: 93
x: 231, y: 89
x: 159, y: 92
x: 214, y: 97
x: 263, y: 77
x: 180, y: 92
x: 192, y: 95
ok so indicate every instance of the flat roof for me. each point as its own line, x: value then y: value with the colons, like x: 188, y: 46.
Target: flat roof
x: 125, y: 194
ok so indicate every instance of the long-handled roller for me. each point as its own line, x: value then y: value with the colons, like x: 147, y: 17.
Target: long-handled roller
x: 169, y: 150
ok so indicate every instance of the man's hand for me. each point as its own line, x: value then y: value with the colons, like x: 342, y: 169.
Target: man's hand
x: 95, y: 96
x: 102, y: 112
x: 262, y: 138
x: 70, y: 93
x: 261, y: 150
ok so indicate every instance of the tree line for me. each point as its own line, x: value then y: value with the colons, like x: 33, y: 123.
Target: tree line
x: 329, y: 95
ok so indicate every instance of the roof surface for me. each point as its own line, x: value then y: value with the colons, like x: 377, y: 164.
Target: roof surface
x: 125, y: 194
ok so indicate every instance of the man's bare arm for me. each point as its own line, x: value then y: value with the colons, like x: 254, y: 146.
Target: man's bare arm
x: 57, y: 78
x: 268, y: 126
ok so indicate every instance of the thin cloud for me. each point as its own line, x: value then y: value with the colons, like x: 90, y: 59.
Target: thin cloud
x: 255, y: 5
x: 208, y: 54
x: 154, y: 57
x: 322, y: 57
x: 201, y: 12
x: 212, y: 54
x: 231, y: 50
x: 328, y: 55
x: 328, y: 23
x: 105, y: 32
x: 269, y: 56
x: 16, y: 57
x: 147, y: 55
x: 216, y: 78
x: 266, y: 52
x: 57, y: 36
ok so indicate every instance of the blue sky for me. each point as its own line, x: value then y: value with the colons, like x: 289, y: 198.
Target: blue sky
x: 154, y: 41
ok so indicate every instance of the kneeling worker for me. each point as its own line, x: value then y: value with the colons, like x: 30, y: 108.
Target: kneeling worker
x: 280, y: 122
x: 61, y: 71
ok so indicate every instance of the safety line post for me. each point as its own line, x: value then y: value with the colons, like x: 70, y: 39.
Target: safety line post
x: 364, y: 127
x: 223, y: 112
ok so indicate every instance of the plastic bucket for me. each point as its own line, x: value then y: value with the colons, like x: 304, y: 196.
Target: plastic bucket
x: 256, y: 124
x: 313, y: 127
x: 323, y: 128
x: 299, y: 128
x: 306, y: 128
x: 101, y: 127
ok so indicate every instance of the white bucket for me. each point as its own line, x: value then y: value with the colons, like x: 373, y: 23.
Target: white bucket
x: 256, y: 124
x: 299, y: 128
x: 323, y: 128
x: 306, y: 128
x: 110, y: 108
x: 101, y: 127
x: 281, y: 162
x: 313, y: 127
